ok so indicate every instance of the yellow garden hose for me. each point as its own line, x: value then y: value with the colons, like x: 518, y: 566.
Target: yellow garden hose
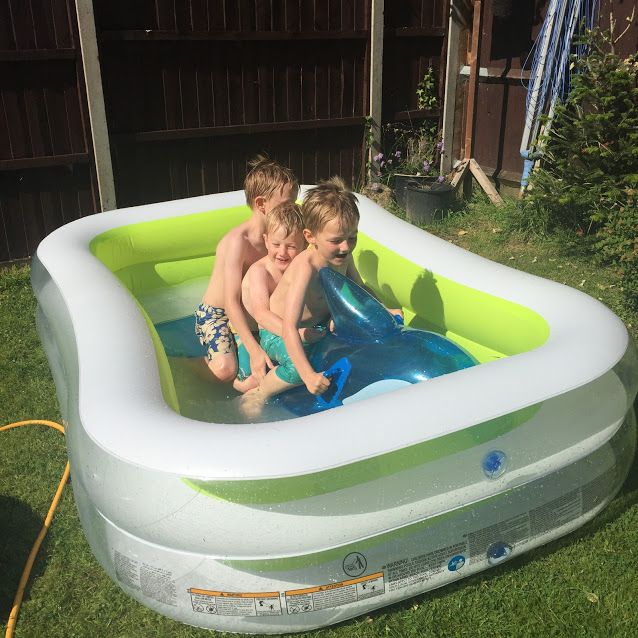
x: 15, y: 608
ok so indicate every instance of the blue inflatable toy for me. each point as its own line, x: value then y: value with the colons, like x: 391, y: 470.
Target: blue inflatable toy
x: 370, y: 351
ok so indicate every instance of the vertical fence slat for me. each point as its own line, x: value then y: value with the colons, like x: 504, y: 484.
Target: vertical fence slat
x: 35, y: 114
x: 7, y: 41
x: 22, y: 24
x: 280, y: 85
x: 220, y: 91
x: 250, y: 90
x: 265, y: 84
x: 43, y: 24
x: 292, y: 16
x: 293, y: 77
x: 216, y: 20
x: 322, y: 15
x: 231, y: 15
x: 198, y: 15
x: 235, y: 88
x: 56, y: 110
x: 14, y: 110
x: 204, y: 88
x: 188, y: 66
x: 347, y: 15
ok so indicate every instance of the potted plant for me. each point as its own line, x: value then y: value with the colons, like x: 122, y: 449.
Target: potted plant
x: 409, y: 168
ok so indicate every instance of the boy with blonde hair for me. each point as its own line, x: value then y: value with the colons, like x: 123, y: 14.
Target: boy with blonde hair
x: 267, y: 185
x: 331, y: 219
x: 284, y: 240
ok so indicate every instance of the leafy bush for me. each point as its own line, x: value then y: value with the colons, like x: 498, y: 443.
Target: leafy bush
x: 589, y: 176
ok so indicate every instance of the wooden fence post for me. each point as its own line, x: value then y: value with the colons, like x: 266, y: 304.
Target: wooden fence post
x: 376, y: 76
x: 452, y: 68
x: 95, y: 99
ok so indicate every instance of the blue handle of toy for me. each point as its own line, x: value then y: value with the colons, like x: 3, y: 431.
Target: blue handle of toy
x: 338, y: 374
x: 399, y: 319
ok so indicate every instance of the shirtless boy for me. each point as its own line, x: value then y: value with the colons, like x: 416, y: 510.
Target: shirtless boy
x: 284, y: 241
x: 331, y: 220
x: 267, y: 185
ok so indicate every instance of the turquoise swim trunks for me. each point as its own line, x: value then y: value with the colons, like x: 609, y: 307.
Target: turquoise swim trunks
x: 275, y: 348
x: 243, y: 359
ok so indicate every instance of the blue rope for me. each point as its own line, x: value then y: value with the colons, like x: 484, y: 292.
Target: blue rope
x: 555, y: 82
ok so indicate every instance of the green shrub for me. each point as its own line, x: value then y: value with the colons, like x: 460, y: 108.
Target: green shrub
x: 589, y: 175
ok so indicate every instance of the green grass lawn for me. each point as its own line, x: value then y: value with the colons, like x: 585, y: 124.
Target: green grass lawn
x: 585, y: 584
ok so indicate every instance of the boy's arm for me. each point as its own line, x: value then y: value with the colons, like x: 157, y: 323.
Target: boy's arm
x: 260, y: 301
x: 232, y: 300
x: 260, y: 305
x: 295, y: 298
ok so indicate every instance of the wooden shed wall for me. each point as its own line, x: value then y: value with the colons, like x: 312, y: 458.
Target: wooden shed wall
x: 505, y: 46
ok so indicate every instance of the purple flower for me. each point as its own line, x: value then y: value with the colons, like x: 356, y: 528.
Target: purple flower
x: 397, y: 154
x: 440, y: 147
x: 426, y: 167
x: 440, y: 179
x: 382, y: 164
x: 378, y: 157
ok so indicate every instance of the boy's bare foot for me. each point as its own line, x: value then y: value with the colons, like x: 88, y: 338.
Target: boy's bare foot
x: 249, y: 383
x: 251, y: 403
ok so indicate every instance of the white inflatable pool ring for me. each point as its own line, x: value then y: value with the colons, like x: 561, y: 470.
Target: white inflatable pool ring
x: 296, y: 524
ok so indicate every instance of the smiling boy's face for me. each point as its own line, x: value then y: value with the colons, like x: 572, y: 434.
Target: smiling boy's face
x: 282, y: 248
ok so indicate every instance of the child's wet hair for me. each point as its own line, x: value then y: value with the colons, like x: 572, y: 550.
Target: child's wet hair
x: 265, y: 177
x: 327, y: 201
x: 287, y: 216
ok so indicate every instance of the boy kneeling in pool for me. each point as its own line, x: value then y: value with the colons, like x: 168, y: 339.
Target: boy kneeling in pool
x: 284, y: 240
x: 331, y: 219
x: 221, y: 313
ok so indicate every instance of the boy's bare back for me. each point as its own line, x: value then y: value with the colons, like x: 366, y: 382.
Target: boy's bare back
x: 240, y: 249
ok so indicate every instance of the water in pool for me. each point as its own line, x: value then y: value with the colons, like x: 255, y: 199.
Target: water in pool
x: 198, y: 395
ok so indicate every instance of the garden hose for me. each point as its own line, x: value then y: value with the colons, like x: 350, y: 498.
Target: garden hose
x: 17, y: 601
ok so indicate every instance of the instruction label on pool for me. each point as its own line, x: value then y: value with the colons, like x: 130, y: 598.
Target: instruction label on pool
x: 417, y: 569
x: 299, y: 601
x: 224, y: 603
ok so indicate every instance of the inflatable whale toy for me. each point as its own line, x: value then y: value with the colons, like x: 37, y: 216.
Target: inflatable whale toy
x: 370, y: 351
x: 302, y: 521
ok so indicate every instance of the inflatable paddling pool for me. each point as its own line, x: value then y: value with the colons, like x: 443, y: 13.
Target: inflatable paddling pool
x: 297, y: 523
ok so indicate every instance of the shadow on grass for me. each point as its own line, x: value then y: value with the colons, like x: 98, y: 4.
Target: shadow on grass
x: 19, y: 527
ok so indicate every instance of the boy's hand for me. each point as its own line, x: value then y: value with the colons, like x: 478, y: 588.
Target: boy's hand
x: 317, y: 383
x: 311, y: 335
x: 260, y: 363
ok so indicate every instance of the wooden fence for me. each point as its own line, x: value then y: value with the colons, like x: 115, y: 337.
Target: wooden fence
x: 46, y: 170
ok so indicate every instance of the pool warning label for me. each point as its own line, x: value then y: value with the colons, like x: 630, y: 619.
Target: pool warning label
x: 299, y: 601
x: 224, y: 603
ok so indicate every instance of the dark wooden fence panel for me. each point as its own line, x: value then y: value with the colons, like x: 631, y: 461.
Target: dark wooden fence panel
x: 414, y: 37
x: 194, y: 89
x: 46, y: 174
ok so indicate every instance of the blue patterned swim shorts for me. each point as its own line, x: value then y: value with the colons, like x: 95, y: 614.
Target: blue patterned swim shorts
x: 212, y: 326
